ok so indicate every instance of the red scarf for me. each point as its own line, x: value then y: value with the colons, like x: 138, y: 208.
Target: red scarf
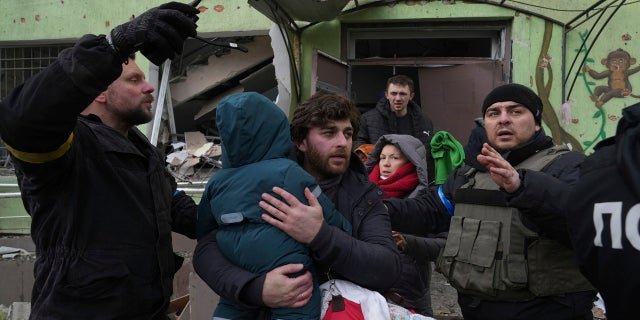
x: 399, y: 184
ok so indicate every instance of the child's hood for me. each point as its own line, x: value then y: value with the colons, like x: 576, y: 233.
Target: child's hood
x: 252, y: 128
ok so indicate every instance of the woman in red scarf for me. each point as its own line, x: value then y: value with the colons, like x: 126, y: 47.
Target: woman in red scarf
x: 398, y: 165
x: 394, y: 173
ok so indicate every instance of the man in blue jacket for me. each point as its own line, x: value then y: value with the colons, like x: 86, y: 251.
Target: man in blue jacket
x: 322, y: 129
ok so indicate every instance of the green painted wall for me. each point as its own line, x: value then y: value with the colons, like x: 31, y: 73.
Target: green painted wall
x: 59, y: 19
x: 590, y: 123
x: 13, y: 218
x: 537, y: 57
x: 25, y: 21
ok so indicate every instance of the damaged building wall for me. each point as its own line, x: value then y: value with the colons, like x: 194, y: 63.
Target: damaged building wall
x: 39, y: 20
x: 42, y: 23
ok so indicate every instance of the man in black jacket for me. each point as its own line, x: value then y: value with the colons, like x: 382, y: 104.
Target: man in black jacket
x: 102, y: 203
x: 397, y: 113
x: 322, y: 129
x: 604, y: 214
x: 508, y: 251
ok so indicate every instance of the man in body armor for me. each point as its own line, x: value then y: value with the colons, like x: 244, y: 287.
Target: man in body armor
x: 508, y: 252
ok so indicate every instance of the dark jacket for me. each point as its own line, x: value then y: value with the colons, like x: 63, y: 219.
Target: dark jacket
x: 381, y: 120
x: 102, y: 205
x: 603, y: 218
x: 414, y: 283
x: 541, y: 197
x: 368, y: 258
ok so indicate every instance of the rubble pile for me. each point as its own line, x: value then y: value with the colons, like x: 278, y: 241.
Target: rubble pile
x: 195, y: 159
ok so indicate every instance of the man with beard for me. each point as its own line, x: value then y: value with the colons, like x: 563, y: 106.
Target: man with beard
x: 322, y: 129
x: 508, y: 252
x: 102, y: 203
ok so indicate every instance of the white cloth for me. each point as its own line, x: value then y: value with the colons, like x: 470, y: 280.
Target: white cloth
x: 374, y: 305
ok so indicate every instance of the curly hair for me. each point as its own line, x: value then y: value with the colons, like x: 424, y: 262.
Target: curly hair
x: 320, y: 109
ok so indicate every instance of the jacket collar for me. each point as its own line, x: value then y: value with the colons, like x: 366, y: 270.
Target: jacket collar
x: 539, y: 141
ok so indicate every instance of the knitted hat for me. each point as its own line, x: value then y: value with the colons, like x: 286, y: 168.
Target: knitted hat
x: 516, y: 93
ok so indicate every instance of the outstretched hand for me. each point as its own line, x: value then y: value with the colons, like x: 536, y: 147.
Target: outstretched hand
x: 301, y: 222
x: 158, y: 33
x: 502, y: 173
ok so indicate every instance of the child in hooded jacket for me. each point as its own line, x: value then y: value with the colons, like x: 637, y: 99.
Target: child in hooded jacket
x: 256, y: 142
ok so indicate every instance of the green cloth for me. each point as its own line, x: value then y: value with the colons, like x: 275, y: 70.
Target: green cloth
x: 447, y: 153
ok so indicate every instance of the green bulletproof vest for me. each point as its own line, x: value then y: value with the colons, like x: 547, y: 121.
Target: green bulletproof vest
x: 492, y: 255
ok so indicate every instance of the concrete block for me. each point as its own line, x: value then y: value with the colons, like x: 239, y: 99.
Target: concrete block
x: 17, y: 279
x: 20, y: 311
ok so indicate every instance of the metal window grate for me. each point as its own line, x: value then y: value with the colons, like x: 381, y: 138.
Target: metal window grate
x: 18, y: 64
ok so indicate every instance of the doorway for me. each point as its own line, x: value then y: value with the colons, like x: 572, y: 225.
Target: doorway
x: 453, y: 66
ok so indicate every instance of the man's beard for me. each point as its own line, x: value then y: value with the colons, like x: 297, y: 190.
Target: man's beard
x: 319, y: 166
x: 137, y: 116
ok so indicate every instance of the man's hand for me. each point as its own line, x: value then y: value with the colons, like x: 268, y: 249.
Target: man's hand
x: 281, y: 291
x: 158, y: 33
x: 296, y: 219
x: 401, y: 241
x: 503, y: 174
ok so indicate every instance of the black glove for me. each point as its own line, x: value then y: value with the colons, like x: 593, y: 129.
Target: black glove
x: 159, y: 33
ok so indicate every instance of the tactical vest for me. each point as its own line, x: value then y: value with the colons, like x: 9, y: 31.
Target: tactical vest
x: 492, y: 255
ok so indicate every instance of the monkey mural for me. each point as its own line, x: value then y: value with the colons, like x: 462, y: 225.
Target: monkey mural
x: 618, y: 65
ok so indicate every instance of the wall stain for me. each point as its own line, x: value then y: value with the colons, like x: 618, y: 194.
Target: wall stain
x: 544, y: 85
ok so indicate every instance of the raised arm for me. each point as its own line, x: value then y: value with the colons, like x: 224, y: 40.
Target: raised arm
x: 39, y: 116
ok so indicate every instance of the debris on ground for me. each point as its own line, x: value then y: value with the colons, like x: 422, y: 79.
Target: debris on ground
x: 195, y: 157
x: 10, y: 252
